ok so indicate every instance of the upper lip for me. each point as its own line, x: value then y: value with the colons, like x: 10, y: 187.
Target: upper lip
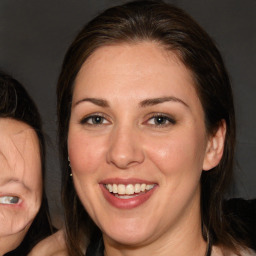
x: 126, y: 181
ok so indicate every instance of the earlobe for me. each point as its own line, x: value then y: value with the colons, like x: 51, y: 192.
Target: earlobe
x: 215, y: 147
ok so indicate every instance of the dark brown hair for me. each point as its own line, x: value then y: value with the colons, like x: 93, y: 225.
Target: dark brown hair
x: 16, y: 103
x: 176, y: 31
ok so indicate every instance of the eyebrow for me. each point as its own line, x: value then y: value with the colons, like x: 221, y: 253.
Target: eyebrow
x: 96, y: 101
x: 10, y: 180
x: 145, y: 103
x: 13, y: 180
x: 155, y: 101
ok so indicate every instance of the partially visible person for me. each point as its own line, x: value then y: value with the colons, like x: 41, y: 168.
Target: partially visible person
x: 147, y: 137
x: 54, y: 245
x: 24, y: 214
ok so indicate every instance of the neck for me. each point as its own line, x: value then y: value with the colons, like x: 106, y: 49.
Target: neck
x: 182, y: 239
x: 178, y: 246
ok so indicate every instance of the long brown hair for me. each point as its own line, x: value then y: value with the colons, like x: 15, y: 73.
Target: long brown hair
x: 175, y: 30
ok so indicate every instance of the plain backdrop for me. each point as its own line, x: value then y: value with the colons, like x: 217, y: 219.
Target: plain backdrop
x: 35, y: 34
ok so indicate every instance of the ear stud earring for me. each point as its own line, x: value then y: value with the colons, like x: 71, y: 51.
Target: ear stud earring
x: 69, y: 167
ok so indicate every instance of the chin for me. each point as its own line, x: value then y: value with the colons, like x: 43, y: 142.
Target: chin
x: 130, y: 237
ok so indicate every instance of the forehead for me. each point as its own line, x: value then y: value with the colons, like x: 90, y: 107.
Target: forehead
x: 132, y: 56
x: 145, y: 67
x: 16, y: 136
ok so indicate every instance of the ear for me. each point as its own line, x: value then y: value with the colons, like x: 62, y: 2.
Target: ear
x: 215, y: 147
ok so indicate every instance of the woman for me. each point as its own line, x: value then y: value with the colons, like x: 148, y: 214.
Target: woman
x: 147, y: 133
x: 24, y: 214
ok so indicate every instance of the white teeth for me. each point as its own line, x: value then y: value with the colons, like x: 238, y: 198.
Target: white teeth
x: 130, y: 189
x: 148, y: 187
x: 121, y: 189
x: 142, y: 187
x: 9, y: 200
x: 109, y: 187
x: 137, y: 188
x: 125, y: 196
x: 114, y: 188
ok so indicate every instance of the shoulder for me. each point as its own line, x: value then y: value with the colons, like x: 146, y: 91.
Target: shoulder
x: 248, y: 252
x: 53, y: 245
x: 217, y: 251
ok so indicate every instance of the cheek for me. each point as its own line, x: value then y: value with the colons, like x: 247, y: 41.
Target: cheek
x: 86, y: 158
x: 36, y: 175
x: 178, y: 153
x: 85, y: 153
x: 33, y: 176
x: 37, y: 181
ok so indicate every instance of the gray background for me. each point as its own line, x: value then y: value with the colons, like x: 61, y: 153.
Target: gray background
x: 34, y: 35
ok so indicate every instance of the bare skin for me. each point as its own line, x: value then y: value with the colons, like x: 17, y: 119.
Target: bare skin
x: 53, y: 245
x: 20, y: 181
x: 139, y: 120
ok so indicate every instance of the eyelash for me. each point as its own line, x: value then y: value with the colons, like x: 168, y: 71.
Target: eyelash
x: 165, y: 118
x: 85, y: 120
x: 102, y: 118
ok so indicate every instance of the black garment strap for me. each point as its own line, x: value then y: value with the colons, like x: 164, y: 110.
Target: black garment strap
x: 96, y: 248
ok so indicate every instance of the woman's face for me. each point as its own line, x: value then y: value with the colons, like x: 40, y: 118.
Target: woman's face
x: 20, y: 177
x: 137, y: 143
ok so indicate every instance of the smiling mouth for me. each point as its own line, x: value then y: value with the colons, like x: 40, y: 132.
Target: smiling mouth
x: 9, y: 200
x: 123, y: 191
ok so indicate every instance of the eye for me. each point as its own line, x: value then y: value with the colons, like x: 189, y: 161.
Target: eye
x: 94, y: 120
x: 9, y: 200
x: 161, y: 120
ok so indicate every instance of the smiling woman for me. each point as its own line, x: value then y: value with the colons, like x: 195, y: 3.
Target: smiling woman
x: 24, y: 215
x: 147, y: 130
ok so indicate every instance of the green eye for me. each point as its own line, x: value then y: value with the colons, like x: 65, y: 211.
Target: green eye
x: 94, y: 120
x: 9, y: 200
x: 161, y: 120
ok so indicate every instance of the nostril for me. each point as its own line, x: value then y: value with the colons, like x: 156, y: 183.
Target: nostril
x: 125, y: 159
x: 125, y: 148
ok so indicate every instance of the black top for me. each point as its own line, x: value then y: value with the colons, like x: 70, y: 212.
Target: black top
x: 95, y: 248
x: 245, y: 212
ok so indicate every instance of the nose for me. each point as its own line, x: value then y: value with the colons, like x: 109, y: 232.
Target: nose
x: 125, y: 148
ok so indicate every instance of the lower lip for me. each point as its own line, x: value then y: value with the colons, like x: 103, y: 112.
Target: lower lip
x: 126, y: 203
